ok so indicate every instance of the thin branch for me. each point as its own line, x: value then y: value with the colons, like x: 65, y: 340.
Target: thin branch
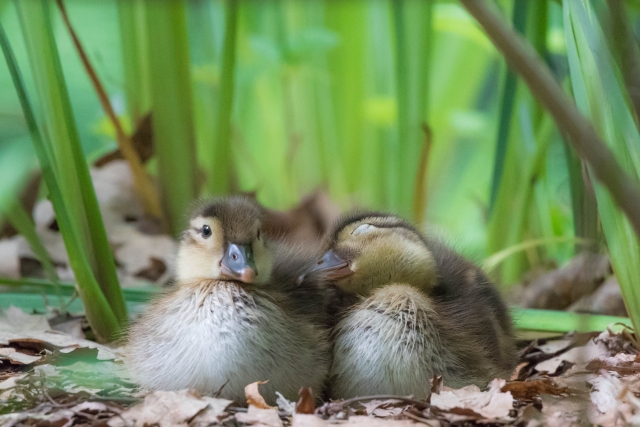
x: 624, y: 190
x: 144, y: 185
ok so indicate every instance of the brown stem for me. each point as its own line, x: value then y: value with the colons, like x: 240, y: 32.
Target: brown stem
x: 142, y: 181
x: 420, y: 188
x: 525, y: 61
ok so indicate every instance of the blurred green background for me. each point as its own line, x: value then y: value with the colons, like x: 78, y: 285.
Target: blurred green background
x: 284, y: 97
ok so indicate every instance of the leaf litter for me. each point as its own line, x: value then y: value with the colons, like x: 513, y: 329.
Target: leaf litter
x: 52, y: 375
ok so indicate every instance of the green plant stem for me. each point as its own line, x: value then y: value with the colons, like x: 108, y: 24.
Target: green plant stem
x: 134, y: 57
x: 564, y: 321
x: 172, y: 107
x: 625, y: 47
x: 220, y: 177
x: 506, y: 109
x: 99, y: 313
x: 624, y: 190
x: 31, y: 285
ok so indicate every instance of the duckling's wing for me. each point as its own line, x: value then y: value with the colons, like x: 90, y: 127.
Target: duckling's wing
x: 293, y: 275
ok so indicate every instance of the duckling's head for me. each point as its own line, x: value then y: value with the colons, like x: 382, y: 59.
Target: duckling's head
x: 223, y: 241
x: 370, y: 250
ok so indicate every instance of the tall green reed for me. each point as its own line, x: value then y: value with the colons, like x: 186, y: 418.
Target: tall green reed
x: 59, y: 153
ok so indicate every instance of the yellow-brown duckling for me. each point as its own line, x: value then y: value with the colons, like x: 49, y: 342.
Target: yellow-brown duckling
x: 237, y: 315
x: 423, y: 310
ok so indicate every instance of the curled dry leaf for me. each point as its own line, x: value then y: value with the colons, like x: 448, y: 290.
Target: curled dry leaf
x: 607, y: 299
x: 623, y: 364
x: 560, y: 288
x: 307, y: 402
x: 470, y: 401
x: 527, y: 390
x: 254, y: 398
x: 304, y: 420
x: 258, y: 417
x: 577, y: 355
x: 171, y: 408
x: 18, y: 329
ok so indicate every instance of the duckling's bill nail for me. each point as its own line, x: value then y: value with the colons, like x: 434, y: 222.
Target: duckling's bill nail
x: 238, y: 264
x: 335, y: 266
x: 247, y: 275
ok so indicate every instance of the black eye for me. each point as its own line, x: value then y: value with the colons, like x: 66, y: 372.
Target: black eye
x: 258, y: 234
x: 206, y: 231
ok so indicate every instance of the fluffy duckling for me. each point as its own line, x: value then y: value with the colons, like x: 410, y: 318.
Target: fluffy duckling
x: 424, y: 310
x: 239, y: 313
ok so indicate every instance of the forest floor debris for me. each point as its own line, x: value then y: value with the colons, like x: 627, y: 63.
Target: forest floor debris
x: 53, y: 378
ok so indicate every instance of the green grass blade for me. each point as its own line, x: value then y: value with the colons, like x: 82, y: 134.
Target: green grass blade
x: 564, y: 321
x: 172, y: 106
x: 506, y: 109
x: 219, y: 179
x: 99, y: 313
x: 600, y: 94
x: 71, y: 168
x: 30, y: 285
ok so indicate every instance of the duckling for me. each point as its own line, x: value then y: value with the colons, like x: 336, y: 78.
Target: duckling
x: 424, y: 310
x: 239, y: 313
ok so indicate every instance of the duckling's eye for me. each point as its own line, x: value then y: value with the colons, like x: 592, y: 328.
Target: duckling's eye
x: 258, y: 235
x: 206, y: 231
x: 361, y: 229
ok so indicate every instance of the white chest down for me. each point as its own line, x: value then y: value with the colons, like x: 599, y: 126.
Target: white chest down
x: 221, y: 338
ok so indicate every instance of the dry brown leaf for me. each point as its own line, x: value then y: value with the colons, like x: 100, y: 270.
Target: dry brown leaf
x: 305, y: 420
x: 307, y: 402
x: 607, y: 299
x: 304, y: 223
x: 624, y: 364
x: 170, y: 408
x: 567, y: 411
x: 14, y: 356
x: 21, y: 328
x: 530, y: 389
x: 560, y: 288
x: 258, y: 417
x: 492, y: 404
x: 254, y: 397
x: 576, y: 355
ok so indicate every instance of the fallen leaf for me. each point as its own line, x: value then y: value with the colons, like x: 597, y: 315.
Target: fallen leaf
x: 254, y: 398
x: 170, y: 408
x: 607, y: 299
x: 304, y: 223
x: 611, y: 402
x: 560, y: 288
x: 17, y: 326
x: 307, y: 402
x: 12, y: 355
x: 285, y: 405
x: 305, y: 420
x: 566, y: 411
x: 259, y: 417
x: 576, y: 355
x: 529, y: 389
x: 492, y: 404
x: 624, y: 364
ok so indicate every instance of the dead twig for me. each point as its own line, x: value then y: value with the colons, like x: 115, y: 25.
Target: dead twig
x: 142, y: 181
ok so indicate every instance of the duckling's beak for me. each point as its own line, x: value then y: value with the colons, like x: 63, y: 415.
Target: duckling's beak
x: 238, y: 264
x: 335, y: 266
